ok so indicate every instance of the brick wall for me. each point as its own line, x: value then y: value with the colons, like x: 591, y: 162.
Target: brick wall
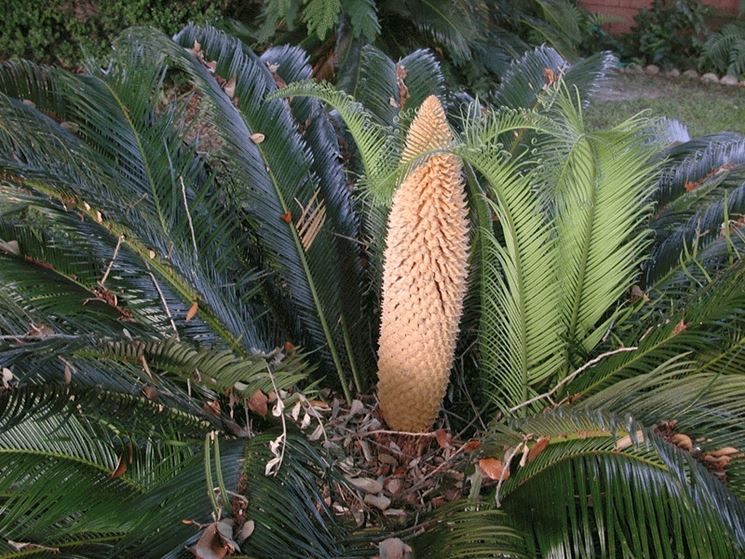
x: 623, y: 11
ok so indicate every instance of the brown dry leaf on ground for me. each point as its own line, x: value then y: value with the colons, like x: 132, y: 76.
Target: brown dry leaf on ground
x: 257, y: 403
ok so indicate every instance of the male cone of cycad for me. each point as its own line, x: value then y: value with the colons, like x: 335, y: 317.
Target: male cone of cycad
x: 424, y: 277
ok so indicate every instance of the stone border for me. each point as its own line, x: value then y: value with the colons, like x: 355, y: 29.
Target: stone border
x: 709, y: 77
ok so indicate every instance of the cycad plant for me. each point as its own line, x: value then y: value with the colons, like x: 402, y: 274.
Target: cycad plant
x: 187, y: 283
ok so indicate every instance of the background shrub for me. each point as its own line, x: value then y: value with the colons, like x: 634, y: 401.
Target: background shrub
x: 62, y: 31
x: 671, y: 33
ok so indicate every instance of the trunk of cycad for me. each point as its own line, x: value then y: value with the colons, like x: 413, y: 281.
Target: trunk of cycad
x: 424, y: 278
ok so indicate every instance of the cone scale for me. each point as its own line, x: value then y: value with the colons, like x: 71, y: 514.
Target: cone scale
x: 424, y: 278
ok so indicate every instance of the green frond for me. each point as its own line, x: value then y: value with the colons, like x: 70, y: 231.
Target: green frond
x: 122, y: 197
x: 520, y: 331
x: 376, y: 87
x: 449, y: 24
x: 705, y: 322
x: 701, y: 403
x: 468, y: 530
x: 692, y: 164
x: 694, y: 221
x: 560, y: 26
x: 216, y: 370
x: 288, y: 510
x: 528, y: 76
x: 602, y: 488
x: 601, y: 194
x: 422, y: 77
x: 379, y: 147
x: 341, y: 209
x: 279, y: 170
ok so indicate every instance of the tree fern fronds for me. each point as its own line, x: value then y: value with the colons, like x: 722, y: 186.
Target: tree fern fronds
x: 725, y: 50
x: 320, y: 16
x: 363, y: 17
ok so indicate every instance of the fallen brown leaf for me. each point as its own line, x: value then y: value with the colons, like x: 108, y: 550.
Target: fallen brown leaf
x: 192, y: 312
x: 229, y: 87
x: 471, y: 445
x: 257, y: 403
x: 121, y: 467
x: 443, y: 438
x: 494, y: 469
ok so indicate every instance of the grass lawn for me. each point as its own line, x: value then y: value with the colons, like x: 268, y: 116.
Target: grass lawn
x: 704, y: 108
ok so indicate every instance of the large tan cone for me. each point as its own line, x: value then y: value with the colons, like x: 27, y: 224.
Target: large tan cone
x: 424, y: 278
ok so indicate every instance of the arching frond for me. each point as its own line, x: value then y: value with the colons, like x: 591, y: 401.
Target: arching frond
x: 379, y: 147
x: 278, y: 166
x: 599, y: 487
x: 469, y: 530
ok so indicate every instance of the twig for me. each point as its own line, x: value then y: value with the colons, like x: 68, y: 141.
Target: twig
x: 572, y: 376
x: 439, y: 468
x: 111, y: 263
x: 165, y: 305
x: 282, y: 418
x: 34, y: 337
x: 188, y: 217
x: 505, y: 468
x: 173, y: 324
x: 407, y: 433
x: 462, y: 381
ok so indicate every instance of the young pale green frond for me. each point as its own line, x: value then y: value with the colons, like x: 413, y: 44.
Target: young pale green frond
x: 607, y: 488
x: 379, y: 147
x: 600, y: 196
x: 520, y: 330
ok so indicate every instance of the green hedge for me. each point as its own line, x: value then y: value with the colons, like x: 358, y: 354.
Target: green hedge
x: 63, y: 31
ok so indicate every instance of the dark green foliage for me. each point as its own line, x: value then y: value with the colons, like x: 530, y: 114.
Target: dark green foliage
x: 724, y: 51
x: 671, y: 33
x: 62, y: 31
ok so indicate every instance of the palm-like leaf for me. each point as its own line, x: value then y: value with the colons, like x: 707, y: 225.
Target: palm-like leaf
x: 606, y: 488
x: 139, y: 305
